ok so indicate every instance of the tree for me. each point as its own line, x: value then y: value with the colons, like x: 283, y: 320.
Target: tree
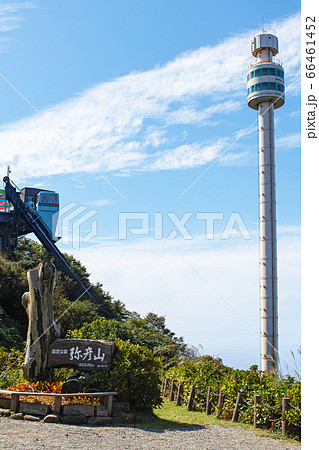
x: 9, y: 332
x: 150, y: 332
x: 73, y: 315
x: 13, y: 284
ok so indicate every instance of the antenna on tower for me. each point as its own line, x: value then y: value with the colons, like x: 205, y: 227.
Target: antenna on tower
x: 262, y: 24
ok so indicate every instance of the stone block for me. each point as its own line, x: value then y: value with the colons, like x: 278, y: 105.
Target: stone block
x: 31, y: 418
x: 76, y: 410
x: 120, y: 418
x: 75, y: 419
x: 101, y: 410
x: 5, y: 402
x: 34, y: 408
x: 52, y: 418
x: 120, y: 407
x: 99, y: 421
x: 129, y: 418
x: 71, y: 386
x: 17, y: 416
x: 142, y: 417
x: 5, y: 412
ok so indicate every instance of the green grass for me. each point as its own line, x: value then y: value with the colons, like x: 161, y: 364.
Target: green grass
x: 170, y: 417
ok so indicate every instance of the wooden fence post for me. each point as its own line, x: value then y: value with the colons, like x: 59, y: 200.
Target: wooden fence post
x: 257, y: 400
x: 208, y: 402
x: 171, y: 397
x: 179, y: 394
x: 191, y: 398
x: 220, y: 404
x: 165, y: 386
x: 284, y: 422
x: 236, y: 410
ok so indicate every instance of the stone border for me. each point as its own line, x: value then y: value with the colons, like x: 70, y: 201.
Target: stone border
x: 75, y: 414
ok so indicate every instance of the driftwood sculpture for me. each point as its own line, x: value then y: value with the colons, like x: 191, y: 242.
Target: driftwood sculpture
x: 42, y: 330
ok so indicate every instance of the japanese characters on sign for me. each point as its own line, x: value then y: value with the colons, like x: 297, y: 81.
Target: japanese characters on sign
x: 82, y: 354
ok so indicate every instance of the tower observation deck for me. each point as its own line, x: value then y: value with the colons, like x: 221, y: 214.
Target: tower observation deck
x: 265, y: 93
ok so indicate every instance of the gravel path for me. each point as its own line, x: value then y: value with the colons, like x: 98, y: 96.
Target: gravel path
x: 16, y: 434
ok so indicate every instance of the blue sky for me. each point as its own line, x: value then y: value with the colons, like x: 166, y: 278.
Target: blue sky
x: 137, y: 99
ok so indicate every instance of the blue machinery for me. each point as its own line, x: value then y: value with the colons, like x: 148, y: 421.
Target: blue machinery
x: 33, y: 211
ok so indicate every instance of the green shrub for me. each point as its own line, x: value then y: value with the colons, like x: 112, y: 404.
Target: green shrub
x: 9, y: 331
x: 202, y: 372
x: 294, y: 414
x: 207, y: 371
x: 107, y: 330
x: 10, y: 367
x: 134, y: 375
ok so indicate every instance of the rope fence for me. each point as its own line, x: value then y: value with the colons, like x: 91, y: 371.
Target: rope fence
x: 175, y: 390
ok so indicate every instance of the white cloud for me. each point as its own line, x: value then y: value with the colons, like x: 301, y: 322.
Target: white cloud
x: 289, y: 46
x: 295, y: 113
x: 290, y: 141
x: 242, y: 158
x: 289, y: 229
x: 186, y: 115
x: 109, y: 124
x: 185, y: 156
x: 9, y: 20
x: 100, y: 202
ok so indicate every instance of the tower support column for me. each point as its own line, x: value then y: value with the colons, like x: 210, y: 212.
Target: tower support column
x: 268, y: 238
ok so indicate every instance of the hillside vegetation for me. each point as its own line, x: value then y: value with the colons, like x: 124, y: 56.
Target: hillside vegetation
x: 147, y: 351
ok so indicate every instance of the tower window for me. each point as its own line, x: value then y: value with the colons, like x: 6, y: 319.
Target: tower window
x: 272, y: 86
x: 272, y: 71
x: 264, y: 85
x: 280, y: 73
x: 257, y: 73
x: 264, y: 71
x: 53, y: 198
x: 258, y: 86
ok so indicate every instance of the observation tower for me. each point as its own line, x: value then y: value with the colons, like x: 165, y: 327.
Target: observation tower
x: 265, y: 93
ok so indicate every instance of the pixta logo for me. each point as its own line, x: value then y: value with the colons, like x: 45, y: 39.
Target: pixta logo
x: 76, y: 225
x: 138, y: 223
